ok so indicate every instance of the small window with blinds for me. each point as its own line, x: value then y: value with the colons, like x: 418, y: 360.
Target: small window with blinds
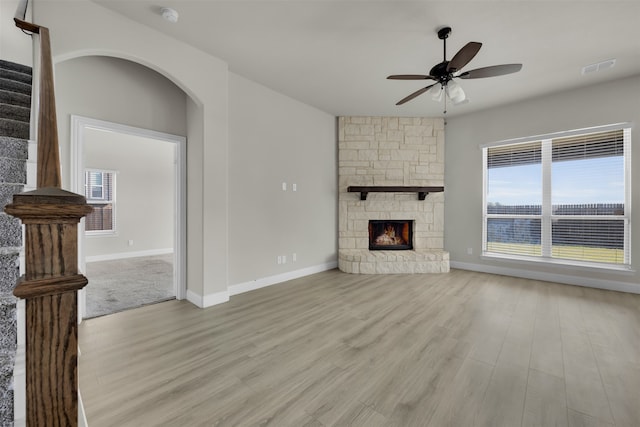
x: 99, y: 190
x: 562, y: 197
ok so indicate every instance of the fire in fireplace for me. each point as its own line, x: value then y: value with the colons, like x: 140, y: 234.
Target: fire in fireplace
x: 390, y: 235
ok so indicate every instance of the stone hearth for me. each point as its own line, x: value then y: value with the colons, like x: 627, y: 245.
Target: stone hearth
x: 391, y: 151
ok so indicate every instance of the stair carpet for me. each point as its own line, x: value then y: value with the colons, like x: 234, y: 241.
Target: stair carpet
x: 15, y: 108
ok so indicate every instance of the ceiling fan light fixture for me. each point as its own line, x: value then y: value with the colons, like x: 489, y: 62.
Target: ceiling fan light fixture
x: 464, y: 101
x: 437, y: 92
x: 455, y: 93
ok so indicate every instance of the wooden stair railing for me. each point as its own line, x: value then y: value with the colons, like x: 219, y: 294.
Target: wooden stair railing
x: 51, y: 280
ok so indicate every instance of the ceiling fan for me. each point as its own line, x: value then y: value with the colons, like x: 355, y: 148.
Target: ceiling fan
x: 444, y: 73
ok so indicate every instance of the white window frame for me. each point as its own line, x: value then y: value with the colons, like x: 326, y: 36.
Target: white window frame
x: 546, y: 215
x: 112, y: 201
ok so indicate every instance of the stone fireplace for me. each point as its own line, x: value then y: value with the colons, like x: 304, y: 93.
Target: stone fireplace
x: 391, y: 173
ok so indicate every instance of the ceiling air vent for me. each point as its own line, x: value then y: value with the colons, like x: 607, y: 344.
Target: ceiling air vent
x: 592, y: 68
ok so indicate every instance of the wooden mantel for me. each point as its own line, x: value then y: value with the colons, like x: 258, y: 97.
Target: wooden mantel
x: 422, y: 191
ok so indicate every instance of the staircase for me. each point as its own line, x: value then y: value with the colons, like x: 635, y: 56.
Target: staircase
x: 15, y: 108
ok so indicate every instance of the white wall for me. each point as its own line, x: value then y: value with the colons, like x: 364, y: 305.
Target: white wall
x: 15, y: 45
x: 607, y: 103
x: 145, y: 191
x: 275, y: 139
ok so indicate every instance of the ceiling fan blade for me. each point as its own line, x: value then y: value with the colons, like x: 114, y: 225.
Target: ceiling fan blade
x: 495, y: 70
x: 463, y: 56
x: 411, y: 77
x: 414, y: 94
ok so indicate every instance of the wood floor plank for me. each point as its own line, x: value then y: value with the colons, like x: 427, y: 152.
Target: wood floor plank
x: 546, y: 348
x: 361, y: 415
x: 425, y: 393
x: 546, y: 402
x: 333, y: 349
x: 585, y: 390
x: 468, y: 386
x: 504, y: 398
x: 577, y: 419
x: 621, y: 379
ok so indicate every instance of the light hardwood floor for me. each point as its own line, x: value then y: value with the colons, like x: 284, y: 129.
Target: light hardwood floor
x: 332, y: 349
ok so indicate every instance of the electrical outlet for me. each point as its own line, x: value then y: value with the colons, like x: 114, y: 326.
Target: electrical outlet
x: 279, y: 259
x: 294, y: 257
x: 130, y: 242
x: 294, y: 187
x: 284, y: 259
x: 469, y: 251
x: 284, y: 186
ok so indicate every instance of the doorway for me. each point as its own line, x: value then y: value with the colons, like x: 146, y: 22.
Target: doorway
x: 132, y: 247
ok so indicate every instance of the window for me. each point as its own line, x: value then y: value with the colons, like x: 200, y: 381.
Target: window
x: 99, y: 190
x: 562, y: 197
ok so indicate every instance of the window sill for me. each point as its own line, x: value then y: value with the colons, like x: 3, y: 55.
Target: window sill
x: 568, y: 264
x: 90, y: 234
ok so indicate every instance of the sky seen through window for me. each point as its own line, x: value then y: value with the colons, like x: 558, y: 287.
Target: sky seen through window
x: 594, y: 180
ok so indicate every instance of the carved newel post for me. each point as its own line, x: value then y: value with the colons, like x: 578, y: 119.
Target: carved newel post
x: 50, y: 286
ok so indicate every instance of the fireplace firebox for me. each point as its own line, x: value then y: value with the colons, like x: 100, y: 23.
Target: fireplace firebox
x: 390, y: 235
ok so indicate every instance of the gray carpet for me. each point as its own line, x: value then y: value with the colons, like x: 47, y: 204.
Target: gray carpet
x: 128, y: 283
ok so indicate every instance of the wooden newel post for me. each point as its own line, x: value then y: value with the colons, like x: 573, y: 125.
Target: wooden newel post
x: 50, y: 286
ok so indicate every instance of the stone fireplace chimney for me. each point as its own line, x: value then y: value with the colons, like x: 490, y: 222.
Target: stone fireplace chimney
x: 391, y: 152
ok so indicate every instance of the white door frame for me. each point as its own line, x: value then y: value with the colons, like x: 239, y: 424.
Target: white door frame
x: 78, y: 125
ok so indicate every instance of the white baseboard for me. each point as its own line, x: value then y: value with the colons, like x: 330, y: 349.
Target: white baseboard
x: 222, y: 297
x: 610, y: 285
x: 125, y: 255
x: 207, y: 300
x: 279, y: 278
x: 82, y: 416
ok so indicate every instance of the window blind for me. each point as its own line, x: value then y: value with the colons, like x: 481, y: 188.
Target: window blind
x: 514, y: 155
x: 588, y: 146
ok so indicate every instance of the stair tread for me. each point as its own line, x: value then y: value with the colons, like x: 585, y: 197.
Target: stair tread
x: 14, y: 141
x: 13, y: 124
x: 14, y: 128
x: 15, y: 75
x: 14, y: 86
x: 15, y: 112
x: 15, y: 98
x: 10, y: 123
x: 15, y: 66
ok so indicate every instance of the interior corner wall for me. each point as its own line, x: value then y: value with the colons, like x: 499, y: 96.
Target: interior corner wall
x: 273, y: 140
x: 606, y: 103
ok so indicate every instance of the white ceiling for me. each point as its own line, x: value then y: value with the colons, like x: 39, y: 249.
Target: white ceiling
x: 335, y: 54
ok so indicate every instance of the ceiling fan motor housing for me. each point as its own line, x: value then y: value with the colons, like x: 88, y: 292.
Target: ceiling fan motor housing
x: 440, y: 72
